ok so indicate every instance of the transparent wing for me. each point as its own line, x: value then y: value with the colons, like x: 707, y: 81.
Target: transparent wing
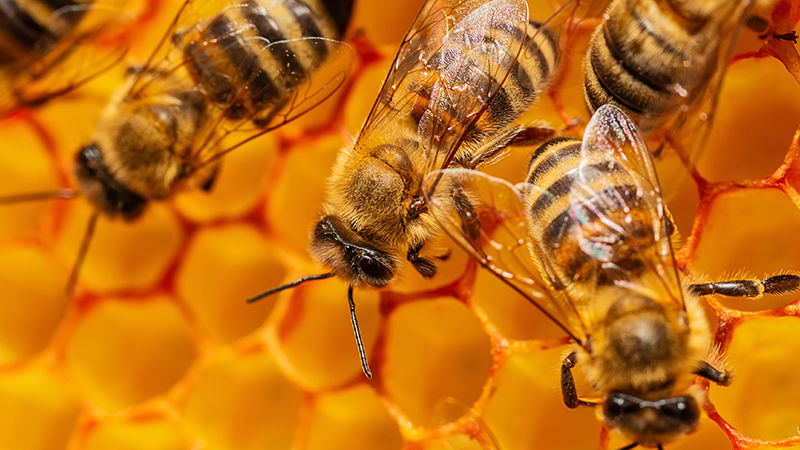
x: 488, y: 217
x: 251, y: 85
x: 616, y: 217
x: 93, y: 44
x: 450, y: 66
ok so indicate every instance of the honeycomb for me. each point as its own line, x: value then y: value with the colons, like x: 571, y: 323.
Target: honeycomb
x: 157, y: 349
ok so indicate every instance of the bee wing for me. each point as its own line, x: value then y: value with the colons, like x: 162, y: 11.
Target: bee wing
x: 487, y: 217
x: 254, y: 85
x: 93, y: 46
x: 450, y: 66
x: 617, y: 214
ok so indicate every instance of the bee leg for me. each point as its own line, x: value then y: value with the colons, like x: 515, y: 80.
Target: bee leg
x: 774, y: 285
x: 424, y: 266
x: 470, y: 224
x: 707, y: 371
x: 568, y: 384
x: 208, y: 184
x: 532, y: 135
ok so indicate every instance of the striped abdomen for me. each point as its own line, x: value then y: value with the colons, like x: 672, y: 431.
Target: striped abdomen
x: 567, y: 231
x: 28, y: 29
x: 651, y: 56
x: 228, y: 56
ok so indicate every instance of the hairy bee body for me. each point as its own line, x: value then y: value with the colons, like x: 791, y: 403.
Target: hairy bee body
x: 650, y: 57
x: 28, y: 29
x: 375, y: 188
x: 243, y: 64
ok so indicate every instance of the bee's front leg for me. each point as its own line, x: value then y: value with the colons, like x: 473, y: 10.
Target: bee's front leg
x: 568, y: 384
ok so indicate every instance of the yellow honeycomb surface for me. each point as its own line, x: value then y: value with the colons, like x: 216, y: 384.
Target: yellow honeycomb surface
x: 157, y: 350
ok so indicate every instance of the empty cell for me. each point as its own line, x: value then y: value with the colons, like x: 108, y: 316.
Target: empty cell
x: 33, y: 301
x: 224, y: 266
x: 244, y: 403
x: 135, y: 434
x: 435, y: 350
x: 129, y: 256
x: 127, y: 351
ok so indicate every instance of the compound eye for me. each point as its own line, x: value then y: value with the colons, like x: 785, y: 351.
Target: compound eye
x: 371, y: 267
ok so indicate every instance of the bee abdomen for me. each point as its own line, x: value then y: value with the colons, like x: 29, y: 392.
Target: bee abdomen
x: 230, y: 59
x: 32, y: 28
x: 640, y: 58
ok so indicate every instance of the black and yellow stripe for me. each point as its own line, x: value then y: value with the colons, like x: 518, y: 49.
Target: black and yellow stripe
x: 30, y: 28
x: 651, y: 56
x: 227, y: 58
x: 560, y: 225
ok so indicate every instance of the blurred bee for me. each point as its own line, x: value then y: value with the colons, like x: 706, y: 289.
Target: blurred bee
x: 465, y: 72
x: 224, y: 73
x: 587, y: 240
x: 663, y: 61
x: 45, y: 47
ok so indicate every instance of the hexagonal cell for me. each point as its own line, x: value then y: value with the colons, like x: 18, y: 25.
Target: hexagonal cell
x: 526, y: 409
x: 33, y: 301
x: 238, y: 186
x: 125, y: 352
x: 222, y: 268
x: 762, y: 400
x: 39, y: 410
x: 243, y: 402
x: 316, y: 337
x: 149, y: 433
x: 25, y: 167
x: 352, y: 419
x: 754, y: 231
x: 292, y: 219
x: 122, y: 256
x: 435, y: 350
x: 736, y: 148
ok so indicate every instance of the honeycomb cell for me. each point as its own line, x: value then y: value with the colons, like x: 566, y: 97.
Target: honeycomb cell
x: 292, y: 219
x: 427, y: 362
x: 243, y: 402
x: 736, y: 239
x: 386, y: 23
x: 526, y: 409
x: 135, y: 434
x: 753, y: 126
x: 25, y: 167
x: 122, y: 256
x: 364, y: 92
x: 39, y: 410
x: 33, y: 301
x: 124, y: 352
x: 224, y: 266
x: 352, y: 419
x: 238, y: 186
x: 315, y: 336
x: 762, y: 400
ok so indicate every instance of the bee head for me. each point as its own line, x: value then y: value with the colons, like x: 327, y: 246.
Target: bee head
x: 349, y: 255
x: 102, y: 189
x: 651, y: 422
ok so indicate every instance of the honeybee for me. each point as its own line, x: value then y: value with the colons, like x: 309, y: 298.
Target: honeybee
x: 587, y: 240
x: 663, y: 61
x: 465, y: 71
x: 223, y: 74
x: 45, y: 47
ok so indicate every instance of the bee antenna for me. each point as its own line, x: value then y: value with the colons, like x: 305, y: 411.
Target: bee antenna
x: 321, y: 276
x: 357, y: 331
x: 38, y: 196
x: 84, y: 248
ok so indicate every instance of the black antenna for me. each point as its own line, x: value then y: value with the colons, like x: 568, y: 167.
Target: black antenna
x: 38, y: 196
x: 321, y: 276
x: 87, y: 238
x: 356, y: 330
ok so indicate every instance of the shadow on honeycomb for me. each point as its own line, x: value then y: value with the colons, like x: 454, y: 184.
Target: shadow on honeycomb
x: 159, y: 351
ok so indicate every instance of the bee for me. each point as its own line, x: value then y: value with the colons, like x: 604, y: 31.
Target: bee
x: 587, y: 240
x: 465, y: 72
x: 224, y: 73
x: 663, y: 61
x: 45, y: 47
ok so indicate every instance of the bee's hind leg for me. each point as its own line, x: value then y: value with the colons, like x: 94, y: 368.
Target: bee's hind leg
x: 568, y: 384
x: 774, y: 285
